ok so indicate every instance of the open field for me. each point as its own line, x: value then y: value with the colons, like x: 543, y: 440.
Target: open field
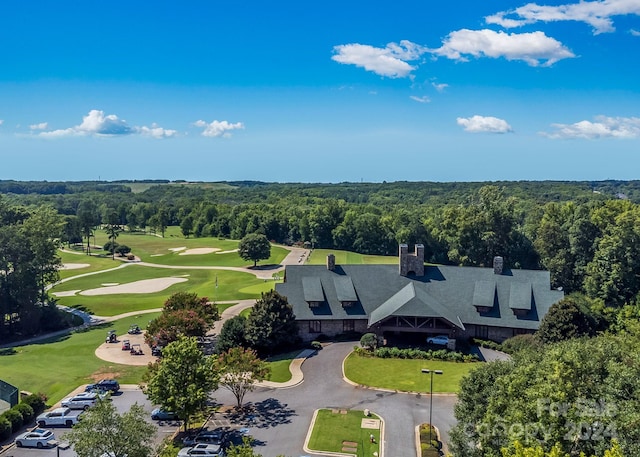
x: 405, y: 375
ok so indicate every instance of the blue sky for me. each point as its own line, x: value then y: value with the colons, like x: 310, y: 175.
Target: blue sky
x: 320, y: 92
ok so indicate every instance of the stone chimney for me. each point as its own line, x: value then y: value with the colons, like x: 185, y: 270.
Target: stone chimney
x: 411, y: 263
x: 498, y: 264
x: 331, y: 262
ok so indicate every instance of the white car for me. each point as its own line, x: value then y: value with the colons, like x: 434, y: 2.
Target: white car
x: 207, y: 450
x: 38, y: 437
x: 440, y: 340
x: 84, y: 400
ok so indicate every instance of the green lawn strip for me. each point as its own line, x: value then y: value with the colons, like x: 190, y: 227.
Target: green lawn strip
x: 59, y: 365
x: 333, y: 431
x: 405, y: 374
x: 279, y: 366
x: 319, y: 257
x: 232, y: 285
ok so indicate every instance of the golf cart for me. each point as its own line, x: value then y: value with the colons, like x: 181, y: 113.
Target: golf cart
x: 134, y: 329
x: 136, y: 349
x: 126, y: 345
x: 111, y: 337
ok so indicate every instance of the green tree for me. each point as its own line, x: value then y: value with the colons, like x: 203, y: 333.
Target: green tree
x: 569, y: 318
x: 240, y: 369
x: 182, y: 379
x: 186, y: 226
x: 113, y: 230
x: 254, y: 246
x: 271, y: 323
x: 88, y: 220
x: 232, y: 334
x: 103, y: 431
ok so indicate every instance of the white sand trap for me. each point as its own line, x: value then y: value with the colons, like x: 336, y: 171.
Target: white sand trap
x: 227, y: 252
x: 145, y: 286
x: 109, y: 284
x: 73, y: 266
x: 197, y: 251
x: 156, y: 255
x: 66, y: 293
x: 178, y: 249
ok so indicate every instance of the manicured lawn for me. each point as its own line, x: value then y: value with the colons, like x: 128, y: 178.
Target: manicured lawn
x: 96, y: 263
x: 406, y: 375
x: 232, y: 285
x: 334, y: 430
x: 319, y: 257
x: 279, y: 365
x: 154, y: 249
x: 57, y: 366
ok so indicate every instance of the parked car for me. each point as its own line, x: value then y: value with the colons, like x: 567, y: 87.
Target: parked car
x: 83, y: 400
x: 59, y: 416
x: 440, y: 340
x: 106, y: 384
x: 38, y: 437
x: 160, y: 414
x: 211, y: 450
x: 206, y: 437
x: 101, y: 392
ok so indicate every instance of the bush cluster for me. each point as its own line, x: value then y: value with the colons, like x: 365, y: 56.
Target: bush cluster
x: 397, y: 353
x: 21, y: 414
x: 487, y: 344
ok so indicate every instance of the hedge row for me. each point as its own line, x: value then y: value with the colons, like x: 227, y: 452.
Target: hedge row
x: 23, y: 413
x: 397, y: 353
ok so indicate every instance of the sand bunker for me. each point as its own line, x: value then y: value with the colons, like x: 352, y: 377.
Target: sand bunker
x: 196, y: 251
x: 178, y: 249
x: 227, y: 252
x: 73, y: 266
x: 145, y: 286
x: 66, y: 293
x: 109, y: 284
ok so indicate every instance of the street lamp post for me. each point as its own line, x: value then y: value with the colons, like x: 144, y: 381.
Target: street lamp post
x: 426, y: 371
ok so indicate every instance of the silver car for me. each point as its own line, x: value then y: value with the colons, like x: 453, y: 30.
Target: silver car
x: 38, y: 437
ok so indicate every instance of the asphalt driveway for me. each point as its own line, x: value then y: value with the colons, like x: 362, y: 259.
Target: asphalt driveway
x: 281, y: 417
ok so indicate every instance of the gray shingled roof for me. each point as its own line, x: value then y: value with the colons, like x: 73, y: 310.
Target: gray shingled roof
x: 449, y: 292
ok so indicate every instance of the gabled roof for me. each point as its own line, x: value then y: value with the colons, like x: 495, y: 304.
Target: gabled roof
x: 449, y: 292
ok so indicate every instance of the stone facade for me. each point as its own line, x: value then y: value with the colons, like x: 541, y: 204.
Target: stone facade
x: 308, y: 330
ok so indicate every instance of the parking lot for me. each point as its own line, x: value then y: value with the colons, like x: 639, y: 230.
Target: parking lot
x: 123, y: 400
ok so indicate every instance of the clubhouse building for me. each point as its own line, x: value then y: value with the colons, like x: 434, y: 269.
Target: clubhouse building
x: 417, y: 301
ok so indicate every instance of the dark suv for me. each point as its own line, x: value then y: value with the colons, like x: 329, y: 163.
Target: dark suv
x: 105, y: 385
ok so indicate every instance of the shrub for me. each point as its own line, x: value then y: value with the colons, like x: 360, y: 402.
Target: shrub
x: 317, y: 345
x: 369, y: 341
x: 393, y: 352
x: 520, y: 342
x: 15, y: 418
x: 36, y: 401
x: 5, y: 429
x: 487, y: 344
x: 26, y: 411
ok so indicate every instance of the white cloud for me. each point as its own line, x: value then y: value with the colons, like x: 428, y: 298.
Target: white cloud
x: 487, y: 124
x: 218, y: 128
x: 1, y: 121
x: 390, y: 61
x: 423, y: 99
x: 96, y: 123
x: 40, y: 126
x: 156, y: 132
x: 440, y: 87
x: 533, y: 48
x: 634, y: 32
x: 604, y: 127
x: 598, y: 14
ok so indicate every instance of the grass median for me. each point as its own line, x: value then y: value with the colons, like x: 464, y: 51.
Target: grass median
x: 405, y: 375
